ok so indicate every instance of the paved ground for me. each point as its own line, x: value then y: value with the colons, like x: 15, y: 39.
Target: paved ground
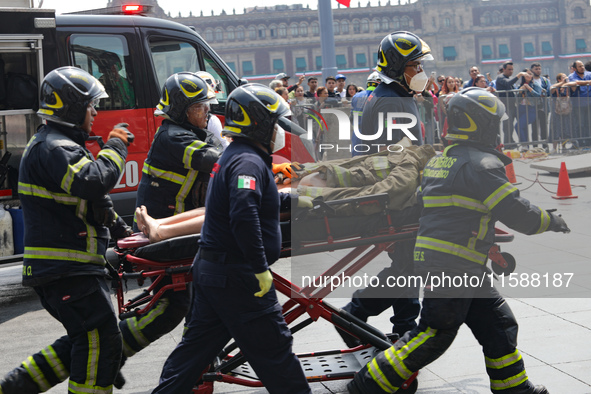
x: 555, y: 330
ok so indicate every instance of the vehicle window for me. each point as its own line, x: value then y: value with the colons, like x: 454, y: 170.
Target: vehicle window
x: 107, y: 58
x: 170, y: 57
x: 212, y: 68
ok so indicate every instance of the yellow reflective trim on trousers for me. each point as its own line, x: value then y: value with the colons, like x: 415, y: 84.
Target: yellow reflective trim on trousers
x: 55, y: 363
x: 379, y: 378
x: 184, y: 191
x: 114, y: 157
x: 71, y: 173
x: 498, y: 195
x: 94, y: 347
x: 397, y: 363
x: 127, y: 350
x: 36, y: 374
x: 509, y: 382
x: 79, y: 388
x: 189, y: 150
x: 451, y: 248
x: 343, y: 176
x: 417, y: 341
x: 166, y: 175
x: 544, y: 221
x: 502, y: 362
x: 455, y: 201
x: 32, y: 252
x: 136, y: 326
x: 39, y: 191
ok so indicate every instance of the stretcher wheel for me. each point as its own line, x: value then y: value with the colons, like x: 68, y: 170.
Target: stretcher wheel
x: 500, y: 270
x: 411, y: 389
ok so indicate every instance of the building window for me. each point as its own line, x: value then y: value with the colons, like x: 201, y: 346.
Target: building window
x: 336, y: 28
x: 533, y: 16
x: 544, y: 15
x: 240, y: 33
x: 232, y: 66
x: 294, y: 29
x: 303, y: 29
x: 247, y: 68
x: 375, y: 58
x: 503, y: 51
x: 356, y: 27
x: 449, y: 53
x: 252, y: 33
x: 208, y: 35
x: 496, y: 18
x: 487, y: 52
x: 315, y: 29
x: 341, y: 61
x: 405, y: 22
x: 552, y: 14
x: 446, y: 22
x: 361, y: 60
x: 278, y: 65
x: 273, y: 31
x: 506, y: 18
x: 376, y: 25
x: 219, y: 35
x: 546, y: 48
x: 262, y: 32
x: 525, y: 16
x: 282, y: 30
x: 578, y: 13
x: 528, y: 49
x: 300, y: 64
x: 365, y: 26
x: 580, y: 44
x: 385, y: 24
x: 345, y: 27
x: 318, y: 62
x: 230, y: 34
x: 395, y: 23
x: 515, y: 17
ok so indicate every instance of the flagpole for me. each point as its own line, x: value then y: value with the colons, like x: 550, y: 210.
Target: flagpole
x: 329, y: 67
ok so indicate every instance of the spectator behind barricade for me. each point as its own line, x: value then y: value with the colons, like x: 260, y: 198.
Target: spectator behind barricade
x: 450, y: 87
x: 351, y: 91
x: 283, y: 93
x: 276, y: 83
x: 480, y: 82
x: 312, y: 86
x: 357, y: 104
x: 459, y: 82
x: 440, y: 83
x: 540, y: 125
x: 505, y: 83
x: 580, y: 94
x: 561, y: 111
x: 493, y: 82
x: 340, y: 87
x: 474, y: 72
x: 526, y: 111
x: 321, y: 96
x: 588, y: 66
x: 297, y: 106
x: 331, y: 84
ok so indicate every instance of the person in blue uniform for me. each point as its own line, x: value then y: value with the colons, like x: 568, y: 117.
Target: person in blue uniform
x: 464, y: 192
x: 234, y: 296
x: 357, y: 104
x: 400, y: 70
x: 66, y: 237
x: 174, y: 180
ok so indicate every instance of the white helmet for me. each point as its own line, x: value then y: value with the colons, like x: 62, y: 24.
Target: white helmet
x: 211, y: 83
x: 373, y: 79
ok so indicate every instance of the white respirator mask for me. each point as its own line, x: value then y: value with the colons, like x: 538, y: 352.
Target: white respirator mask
x: 419, y: 82
x: 278, y: 142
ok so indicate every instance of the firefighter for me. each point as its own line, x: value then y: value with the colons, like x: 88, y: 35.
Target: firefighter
x: 357, y: 104
x: 464, y: 192
x: 174, y: 180
x: 234, y: 296
x: 66, y: 237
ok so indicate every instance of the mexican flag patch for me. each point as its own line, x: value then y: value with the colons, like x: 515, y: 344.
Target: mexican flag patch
x: 246, y: 182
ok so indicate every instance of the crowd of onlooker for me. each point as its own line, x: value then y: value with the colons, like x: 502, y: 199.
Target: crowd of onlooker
x: 539, y: 111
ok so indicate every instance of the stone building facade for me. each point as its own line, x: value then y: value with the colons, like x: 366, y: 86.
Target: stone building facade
x: 262, y: 42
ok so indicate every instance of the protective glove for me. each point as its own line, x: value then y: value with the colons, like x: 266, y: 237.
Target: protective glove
x: 120, y: 131
x: 120, y: 229
x: 287, y: 169
x: 557, y: 223
x: 305, y: 202
x: 104, y: 214
x: 265, y: 282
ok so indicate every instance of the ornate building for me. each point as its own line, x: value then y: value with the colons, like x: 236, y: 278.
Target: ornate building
x: 262, y: 42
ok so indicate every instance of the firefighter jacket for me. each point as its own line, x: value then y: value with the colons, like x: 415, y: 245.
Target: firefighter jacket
x: 58, y: 180
x: 464, y: 192
x: 176, y: 171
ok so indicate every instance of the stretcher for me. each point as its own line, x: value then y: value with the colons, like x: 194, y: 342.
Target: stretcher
x: 139, y: 260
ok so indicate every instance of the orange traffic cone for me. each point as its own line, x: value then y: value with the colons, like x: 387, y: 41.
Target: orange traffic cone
x: 510, y: 171
x: 564, y: 189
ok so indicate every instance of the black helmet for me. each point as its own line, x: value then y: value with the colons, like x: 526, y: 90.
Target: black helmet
x: 474, y: 115
x: 66, y: 93
x: 397, y: 49
x: 252, y: 110
x: 180, y: 91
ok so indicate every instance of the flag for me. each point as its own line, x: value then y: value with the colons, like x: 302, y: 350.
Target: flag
x: 246, y: 182
x: 346, y: 3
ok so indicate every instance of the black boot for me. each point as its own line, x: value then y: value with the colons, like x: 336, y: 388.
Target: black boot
x: 18, y: 381
x: 120, y: 379
x: 525, y: 388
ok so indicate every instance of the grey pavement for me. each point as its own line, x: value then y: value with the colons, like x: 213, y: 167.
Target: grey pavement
x: 554, y: 334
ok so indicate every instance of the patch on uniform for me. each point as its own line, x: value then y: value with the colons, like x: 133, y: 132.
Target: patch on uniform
x: 246, y: 182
